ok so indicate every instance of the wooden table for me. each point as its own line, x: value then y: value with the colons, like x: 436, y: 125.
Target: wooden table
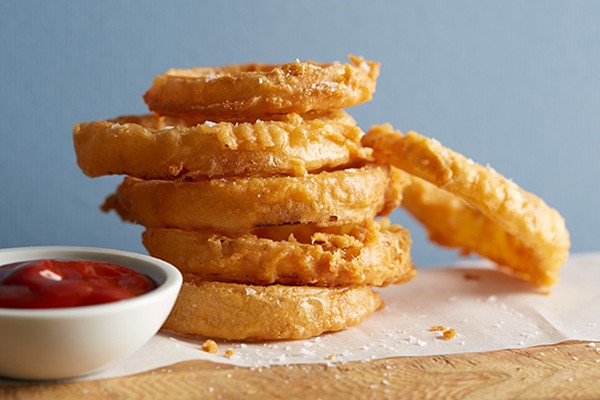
x: 568, y: 370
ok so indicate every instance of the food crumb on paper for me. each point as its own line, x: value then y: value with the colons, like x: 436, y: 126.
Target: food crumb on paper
x: 210, y: 346
x: 448, y: 334
x: 229, y: 353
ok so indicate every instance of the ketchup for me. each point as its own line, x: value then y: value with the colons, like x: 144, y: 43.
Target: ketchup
x: 68, y: 283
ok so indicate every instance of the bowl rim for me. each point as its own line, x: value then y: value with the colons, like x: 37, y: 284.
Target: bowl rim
x: 172, y: 280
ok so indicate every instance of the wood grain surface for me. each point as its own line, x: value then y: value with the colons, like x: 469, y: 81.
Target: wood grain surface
x: 570, y: 370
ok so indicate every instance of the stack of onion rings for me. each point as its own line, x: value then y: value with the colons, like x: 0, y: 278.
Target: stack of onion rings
x: 473, y: 207
x: 253, y: 181
x: 264, y: 192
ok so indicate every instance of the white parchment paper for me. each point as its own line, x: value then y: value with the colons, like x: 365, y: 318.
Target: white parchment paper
x: 487, y: 309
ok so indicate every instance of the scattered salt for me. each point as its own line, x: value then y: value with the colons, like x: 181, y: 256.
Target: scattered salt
x: 364, y: 66
x: 492, y: 299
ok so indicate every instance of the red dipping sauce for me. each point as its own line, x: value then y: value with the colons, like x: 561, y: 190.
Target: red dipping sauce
x: 68, y: 283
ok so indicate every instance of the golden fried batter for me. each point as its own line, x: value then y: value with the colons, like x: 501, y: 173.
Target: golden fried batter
x: 245, y: 312
x: 374, y: 253
x: 501, y: 221
x: 239, y: 205
x: 144, y: 147
x: 259, y: 89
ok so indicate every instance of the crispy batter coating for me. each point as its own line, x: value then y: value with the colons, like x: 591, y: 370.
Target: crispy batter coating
x: 535, y: 241
x: 453, y: 223
x: 238, y: 205
x: 145, y: 147
x: 233, y: 311
x: 258, y: 89
x: 374, y: 253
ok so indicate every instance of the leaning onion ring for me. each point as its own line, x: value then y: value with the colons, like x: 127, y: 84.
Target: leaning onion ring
x: 540, y: 243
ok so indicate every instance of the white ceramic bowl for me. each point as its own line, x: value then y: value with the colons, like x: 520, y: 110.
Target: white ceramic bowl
x: 68, y: 342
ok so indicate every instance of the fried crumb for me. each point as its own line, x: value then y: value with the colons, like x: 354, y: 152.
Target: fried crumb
x: 448, y: 334
x: 210, y: 346
x: 229, y: 353
x: 437, y: 328
x: 330, y: 356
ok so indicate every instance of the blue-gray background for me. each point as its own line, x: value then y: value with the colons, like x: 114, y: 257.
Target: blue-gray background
x: 512, y: 84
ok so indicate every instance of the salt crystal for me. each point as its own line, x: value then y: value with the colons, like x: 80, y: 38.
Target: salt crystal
x: 492, y: 299
x: 364, y: 66
x: 306, y: 352
x: 250, y: 292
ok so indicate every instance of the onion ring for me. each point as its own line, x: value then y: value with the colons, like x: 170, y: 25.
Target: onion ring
x: 453, y: 223
x: 232, y: 311
x: 258, y: 89
x: 241, y: 204
x: 374, y: 253
x: 540, y: 231
x: 291, y: 146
